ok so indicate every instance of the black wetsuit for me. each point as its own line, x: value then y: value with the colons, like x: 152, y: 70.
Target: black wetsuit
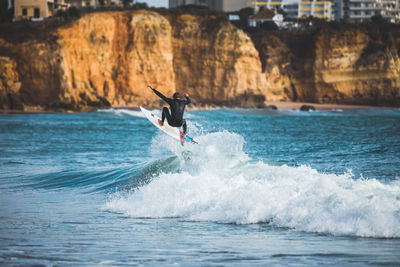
x: 177, y: 107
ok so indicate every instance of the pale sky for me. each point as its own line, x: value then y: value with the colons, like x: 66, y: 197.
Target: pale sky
x: 155, y: 3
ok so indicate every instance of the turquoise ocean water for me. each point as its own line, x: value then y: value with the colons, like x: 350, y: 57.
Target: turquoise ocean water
x: 261, y: 188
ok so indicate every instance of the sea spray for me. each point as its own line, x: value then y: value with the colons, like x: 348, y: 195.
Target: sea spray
x: 221, y: 183
x: 121, y: 112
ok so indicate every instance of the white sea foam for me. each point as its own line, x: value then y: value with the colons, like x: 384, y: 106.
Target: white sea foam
x: 121, y: 112
x: 218, y: 182
x: 138, y: 113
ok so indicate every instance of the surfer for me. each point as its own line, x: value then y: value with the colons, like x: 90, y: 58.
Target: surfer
x: 177, y: 105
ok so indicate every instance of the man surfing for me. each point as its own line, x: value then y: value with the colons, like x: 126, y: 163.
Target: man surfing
x: 177, y: 105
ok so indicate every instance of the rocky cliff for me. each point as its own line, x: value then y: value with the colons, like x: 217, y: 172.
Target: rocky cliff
x: 101, y: 59
x: 350, y: 65
x: 107, y: 59
x: 216, y: 62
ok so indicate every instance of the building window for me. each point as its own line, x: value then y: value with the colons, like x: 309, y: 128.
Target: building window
x: 37, y: 12
x: 24, y: 12
x: 87, y: 3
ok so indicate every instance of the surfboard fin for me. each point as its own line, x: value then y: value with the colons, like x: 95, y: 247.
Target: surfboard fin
x: 186, y: 138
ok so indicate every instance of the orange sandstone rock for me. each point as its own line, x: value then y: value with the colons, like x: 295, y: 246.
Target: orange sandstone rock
x: 107, y: 59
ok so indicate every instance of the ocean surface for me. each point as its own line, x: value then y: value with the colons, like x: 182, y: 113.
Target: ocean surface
x: 262, y: 188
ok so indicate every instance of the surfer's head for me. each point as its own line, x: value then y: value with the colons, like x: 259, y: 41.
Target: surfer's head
x: 177, y: 95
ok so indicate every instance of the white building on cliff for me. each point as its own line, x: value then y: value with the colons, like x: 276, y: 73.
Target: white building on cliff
x: 37, y: 10
x: 363, y: 10
x: 271, y: 4
x: 266, y: 15
x: 304, y: 9
x: 217, y: 5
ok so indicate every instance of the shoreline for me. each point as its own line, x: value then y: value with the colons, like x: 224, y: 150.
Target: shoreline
x: 317, y: 106
x: 278, y: 105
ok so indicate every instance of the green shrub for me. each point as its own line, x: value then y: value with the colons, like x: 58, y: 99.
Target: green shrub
x: 269, y: 26
x: 70, y: 13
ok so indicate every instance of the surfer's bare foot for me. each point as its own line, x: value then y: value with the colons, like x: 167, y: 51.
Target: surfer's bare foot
x: 160, y: 122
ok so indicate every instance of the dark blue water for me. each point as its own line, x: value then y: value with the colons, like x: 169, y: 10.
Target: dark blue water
x: 261, y: 188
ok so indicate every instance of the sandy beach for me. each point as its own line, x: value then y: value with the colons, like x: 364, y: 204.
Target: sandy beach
x: 297, y: 105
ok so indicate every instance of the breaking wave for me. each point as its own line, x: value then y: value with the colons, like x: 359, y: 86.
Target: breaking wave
x: 217, y: 181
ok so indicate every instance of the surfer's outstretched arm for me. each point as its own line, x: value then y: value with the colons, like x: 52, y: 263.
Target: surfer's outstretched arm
x: 188, y: 101
x: 163, y: 97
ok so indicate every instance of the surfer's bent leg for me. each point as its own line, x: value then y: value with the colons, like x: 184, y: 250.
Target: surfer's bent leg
x: 184, y: 127
x: 165, y: 114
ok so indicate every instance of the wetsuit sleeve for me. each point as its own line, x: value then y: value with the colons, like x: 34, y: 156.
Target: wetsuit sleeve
x: 163, y: 97
x: 188, y: 101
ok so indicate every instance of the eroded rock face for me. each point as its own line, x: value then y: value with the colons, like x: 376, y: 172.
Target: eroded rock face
x: 277, y: 60
x: 10, y: 97
x: 353, y: 67
x: 332, y: 66
x: 215, y: 62
x: 107, y: 59
x: 102, y: 59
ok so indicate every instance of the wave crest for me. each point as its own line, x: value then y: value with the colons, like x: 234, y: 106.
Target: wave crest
x: 219, y: 182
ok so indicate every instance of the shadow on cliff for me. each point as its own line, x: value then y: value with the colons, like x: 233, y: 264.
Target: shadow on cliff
x: 379, y: 56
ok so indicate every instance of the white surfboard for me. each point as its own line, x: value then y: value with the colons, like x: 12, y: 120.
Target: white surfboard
x: 166, y: 128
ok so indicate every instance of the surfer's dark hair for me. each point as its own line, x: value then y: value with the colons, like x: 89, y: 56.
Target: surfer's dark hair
x: 176, y: 95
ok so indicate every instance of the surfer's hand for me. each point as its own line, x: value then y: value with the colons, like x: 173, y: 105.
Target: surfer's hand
x: 186, y: 95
